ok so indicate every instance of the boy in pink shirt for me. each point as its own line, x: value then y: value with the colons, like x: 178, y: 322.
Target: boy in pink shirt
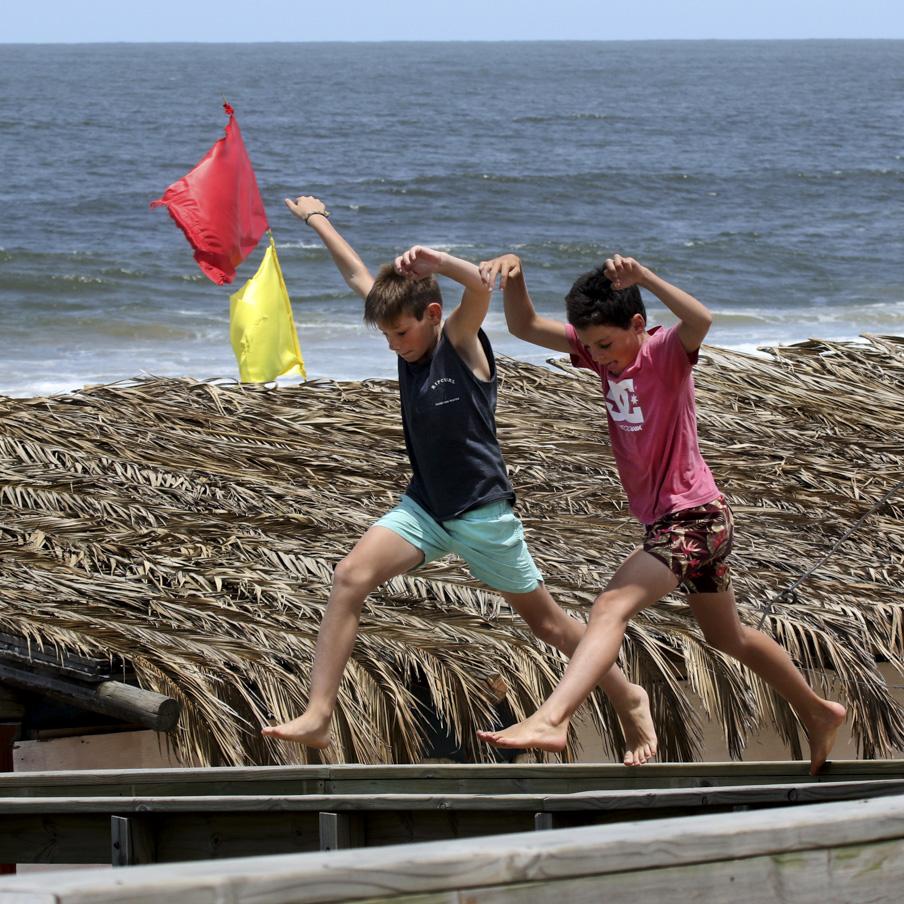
x: 648, y: 387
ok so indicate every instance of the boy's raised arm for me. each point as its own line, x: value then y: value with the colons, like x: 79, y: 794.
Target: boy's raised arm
x: 695, y: 318
x: 313, y: 212
x: 520, y: 317
x: 464, y: 322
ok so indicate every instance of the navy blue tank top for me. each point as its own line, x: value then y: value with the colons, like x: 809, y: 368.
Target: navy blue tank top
x: 449, y: 416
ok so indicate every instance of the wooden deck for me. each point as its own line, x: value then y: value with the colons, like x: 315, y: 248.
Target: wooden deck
x: 830, y: 853
x: 136, y: 817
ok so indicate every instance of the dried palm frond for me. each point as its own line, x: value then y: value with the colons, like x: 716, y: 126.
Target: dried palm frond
x: 192, y: 529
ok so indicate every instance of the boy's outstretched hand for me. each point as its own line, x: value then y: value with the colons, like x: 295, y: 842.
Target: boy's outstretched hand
x: 624, y: 271
x: 501, y: 268
x: 305, y: 206
x: 418, y: 262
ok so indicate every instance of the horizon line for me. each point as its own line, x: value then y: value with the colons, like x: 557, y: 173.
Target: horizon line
x: 455, y: 41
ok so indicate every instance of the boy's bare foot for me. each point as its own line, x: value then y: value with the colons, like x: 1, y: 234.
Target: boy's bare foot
x: 822, y: 730
x: 534, y: 733
x: 306, y: 730
x: 637, y: 724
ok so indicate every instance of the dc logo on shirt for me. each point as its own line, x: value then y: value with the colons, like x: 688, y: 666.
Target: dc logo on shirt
x: 622, y: 402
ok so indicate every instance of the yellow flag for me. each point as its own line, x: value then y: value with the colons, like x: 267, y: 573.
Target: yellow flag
x: 261, y: 327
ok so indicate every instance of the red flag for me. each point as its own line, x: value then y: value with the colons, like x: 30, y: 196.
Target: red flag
x: 218, y: 206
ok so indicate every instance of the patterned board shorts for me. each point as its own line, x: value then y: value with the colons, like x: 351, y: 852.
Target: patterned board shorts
x: 694, y: 544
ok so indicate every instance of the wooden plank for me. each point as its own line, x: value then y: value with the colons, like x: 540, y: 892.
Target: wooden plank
x: 87, y: 838
x: 55, y: 838
x: 416, y: 826
x: 151, y: 782
x: 437, y: 778
x: 12, y: 706
x: 220, y: 836
x: 442, y: 897
x: 859, y: 839
x: 580, y: 801
x: 553, y: 778
x: 841, y: 875
x: 29, y: 654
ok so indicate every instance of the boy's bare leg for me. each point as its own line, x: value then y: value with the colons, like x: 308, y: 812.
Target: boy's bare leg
x: 717, y: 615
x: 640, y: 581
x: 379, y: 555
x: 553, y: 625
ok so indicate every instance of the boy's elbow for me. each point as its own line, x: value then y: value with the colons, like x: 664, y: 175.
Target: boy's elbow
x: 516, y: 328
x: 702, y: 322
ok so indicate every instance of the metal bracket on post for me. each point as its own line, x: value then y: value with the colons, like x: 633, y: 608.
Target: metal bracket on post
x: 339, y: 831
x: 544, y: 821
x: 132, y: 841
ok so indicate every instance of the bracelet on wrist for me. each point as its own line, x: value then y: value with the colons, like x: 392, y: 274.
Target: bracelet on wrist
x: 317, y: 213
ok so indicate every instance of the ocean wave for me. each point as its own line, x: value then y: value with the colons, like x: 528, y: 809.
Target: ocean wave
x: 41, y: 388
x: 449, y: 183
x: 540, y: 119
x: 96, y: 328
x: 452, y: 246
x: 742, y: 318
x: 124, y: 272
x: 45, y: 255
x: 50, y: 286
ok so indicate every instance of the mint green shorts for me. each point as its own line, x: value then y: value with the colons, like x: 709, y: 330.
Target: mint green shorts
x: 490, y: 539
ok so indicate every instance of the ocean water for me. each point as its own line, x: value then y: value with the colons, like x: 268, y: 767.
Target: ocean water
x: 765, y: 177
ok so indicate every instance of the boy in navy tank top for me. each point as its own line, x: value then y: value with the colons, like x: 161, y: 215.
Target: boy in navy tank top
x: 459, y: 498
x: 648, y: 385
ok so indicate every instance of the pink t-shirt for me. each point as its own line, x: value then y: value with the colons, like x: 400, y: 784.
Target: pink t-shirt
x: 653, y: 426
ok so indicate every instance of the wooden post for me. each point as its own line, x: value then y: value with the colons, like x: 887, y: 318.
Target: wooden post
x: 132, y: 841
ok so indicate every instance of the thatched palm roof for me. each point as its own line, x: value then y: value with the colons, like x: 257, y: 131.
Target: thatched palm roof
x: 192, y: 528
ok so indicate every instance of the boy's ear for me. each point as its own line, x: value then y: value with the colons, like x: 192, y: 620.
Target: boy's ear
x: 638, y: 324
x: 434, y: 312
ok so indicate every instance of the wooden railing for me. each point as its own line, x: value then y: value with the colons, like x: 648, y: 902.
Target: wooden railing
x: 831, y: 853
x: 136, y: 817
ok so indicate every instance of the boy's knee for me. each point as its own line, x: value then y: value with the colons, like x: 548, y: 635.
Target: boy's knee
x: 611, y: 607
x: 729, y: 644
x: 355, y: 576
x: 550, y: 630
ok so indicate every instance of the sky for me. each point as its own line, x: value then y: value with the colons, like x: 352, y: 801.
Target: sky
x: 79, y: 21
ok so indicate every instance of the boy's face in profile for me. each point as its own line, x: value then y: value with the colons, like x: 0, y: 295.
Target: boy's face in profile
x: 413, y: 339
x: 613, y: 347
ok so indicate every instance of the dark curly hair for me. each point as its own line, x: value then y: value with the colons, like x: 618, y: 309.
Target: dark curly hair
x: 592, y: 301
